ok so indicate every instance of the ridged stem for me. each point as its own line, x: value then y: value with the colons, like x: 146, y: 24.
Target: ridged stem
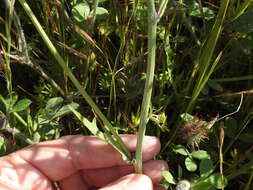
x: 152, y: 26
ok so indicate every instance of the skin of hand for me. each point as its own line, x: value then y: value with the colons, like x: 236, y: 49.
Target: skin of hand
x: 80, y: 163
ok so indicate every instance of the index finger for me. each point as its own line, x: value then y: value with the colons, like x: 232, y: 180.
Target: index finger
x: 60, y: 158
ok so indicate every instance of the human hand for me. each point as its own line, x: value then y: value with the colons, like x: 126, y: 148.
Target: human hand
x: 80, y: 163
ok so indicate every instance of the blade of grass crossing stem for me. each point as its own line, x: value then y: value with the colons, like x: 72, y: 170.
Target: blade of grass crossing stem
x: 121, y: 146
x: 10, y: 10
x: 92, y: 127
x: 207, y: 53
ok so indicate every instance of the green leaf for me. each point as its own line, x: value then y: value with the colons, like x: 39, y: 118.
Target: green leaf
x: 165, y: 184
x: 65, y: 110
x: 195, y: 11
x: 3, y: 105
x: 243, y: 24
x: 168, y: 177
x: 91, y: 126
x: 206, y: 167
x: 190, y: 164
x: 2, y: 146
x: 101, y: 13
x: 54, y: 103
x: 52, y: 107
x: 187, y: 117
x: 11, y: 100
x: 31, y: 123
x: 203, y: 185
x: 81, y: 11
x: 200, y: 154
x: 21, y: 105
x: 218, y: 180
x: 181, y: 150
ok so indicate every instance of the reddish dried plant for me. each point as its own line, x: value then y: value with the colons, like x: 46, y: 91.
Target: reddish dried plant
x: 1, y: 66
x: 195, y: 131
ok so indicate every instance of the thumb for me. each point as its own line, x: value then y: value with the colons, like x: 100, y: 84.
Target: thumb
x: 131, y: 181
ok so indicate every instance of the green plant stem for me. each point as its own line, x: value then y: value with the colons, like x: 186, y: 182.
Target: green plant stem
x: 19, y: 134
x: 10, y: 10
x: 108, y: 126
x: 113, y: 95
x: 221, y: 141
x: 232, y: 79
x: 20, y: 119
x: 94, y: 13
x: 243, y: 169
x: 152, y: 26
x: 202, y: 15
x: 153, y: 18
x: 206, y: 67
x: 241, y: 9
x: 242, y: 128
x: 162, y: 7
x: 249, y: 181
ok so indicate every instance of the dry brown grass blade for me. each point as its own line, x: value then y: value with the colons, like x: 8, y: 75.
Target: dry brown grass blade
x: 37, y: 68
x: 71, y: 50
x: 244, y: 92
